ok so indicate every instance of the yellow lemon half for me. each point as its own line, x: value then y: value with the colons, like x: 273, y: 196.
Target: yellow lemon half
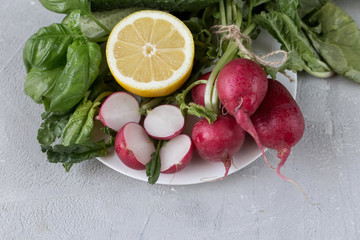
x: 150, y: 53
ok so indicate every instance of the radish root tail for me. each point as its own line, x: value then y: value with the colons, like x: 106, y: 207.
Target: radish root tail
x: 245, y: 123
x: 227, y: 160
x: 283, y: 155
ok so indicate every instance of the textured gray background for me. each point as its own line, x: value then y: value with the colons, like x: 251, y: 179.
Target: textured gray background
x: 39, y: 200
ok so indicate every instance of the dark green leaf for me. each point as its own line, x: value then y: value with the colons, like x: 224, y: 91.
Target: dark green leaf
x: 51, y: 128
x: 47, y: 48
x: 338, y: 41
x: 308, y: 6
x: 153, y: 167
x: 82, y: 67
x: 67, y: 166
x: 39, y: 81
x: 75, y: 133
x: 78, y: 152
x: 76, y: 123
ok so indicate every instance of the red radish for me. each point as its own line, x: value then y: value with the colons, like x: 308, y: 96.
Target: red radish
x: 133, y: 146
x: 176, y: 154
x: 219, y: 141
x: 241, y: 86
x: 119, y: 109
x: 198, y: 92
x: 164, y: 122
x: 279, y: 122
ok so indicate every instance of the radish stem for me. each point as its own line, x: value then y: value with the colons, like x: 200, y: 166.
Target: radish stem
x: 103, y: 95
x: 150, y: 104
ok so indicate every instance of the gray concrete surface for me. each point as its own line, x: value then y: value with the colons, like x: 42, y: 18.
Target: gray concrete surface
x: 38, y: 200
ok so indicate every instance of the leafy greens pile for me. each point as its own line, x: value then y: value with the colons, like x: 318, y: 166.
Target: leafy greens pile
x: 67, y: 70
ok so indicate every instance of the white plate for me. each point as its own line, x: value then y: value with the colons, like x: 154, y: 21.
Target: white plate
x: 200, y: 171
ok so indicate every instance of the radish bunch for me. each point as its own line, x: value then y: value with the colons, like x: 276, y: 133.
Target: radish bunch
x: 263, y: 108
x: 254, y: 104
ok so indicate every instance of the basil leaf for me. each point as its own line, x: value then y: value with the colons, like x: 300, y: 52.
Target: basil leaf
x: 81, y: 69
x: 66, y: 6
x: 39, y: 81
x: 337, y: 39
x: 47, y: 48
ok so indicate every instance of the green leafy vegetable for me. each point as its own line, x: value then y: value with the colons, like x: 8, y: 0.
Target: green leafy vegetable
x: 287, y: 7
x: 336, y: 37
x: 51, y: 128
x: 80, y: 125
x: 308, y: 6
x: 39, y: 81
x: 74, y: 133
x: 45, y: 55
x: 153, y: 167
x: 82, y: 67
x: 47, y: 48
x: 281, y: 27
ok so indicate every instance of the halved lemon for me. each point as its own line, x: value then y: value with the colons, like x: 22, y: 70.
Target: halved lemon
x: 150, y: 53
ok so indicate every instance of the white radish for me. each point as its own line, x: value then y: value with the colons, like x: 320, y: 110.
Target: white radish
x: 176, y: 154
x: 119, y: 109
x: 164, y: 122
x: 133, y: 146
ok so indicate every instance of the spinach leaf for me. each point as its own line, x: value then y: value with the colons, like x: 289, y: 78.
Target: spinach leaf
x: 308, y: 6
x: 51, y: 128
x: 47, y: 48
x: 81, y: 69
x: 283, y: 28
x: 75, y: 133
x: 337, y: 38
x: 287, y: 7
x: 66, y: 6
x: 77, y: 153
